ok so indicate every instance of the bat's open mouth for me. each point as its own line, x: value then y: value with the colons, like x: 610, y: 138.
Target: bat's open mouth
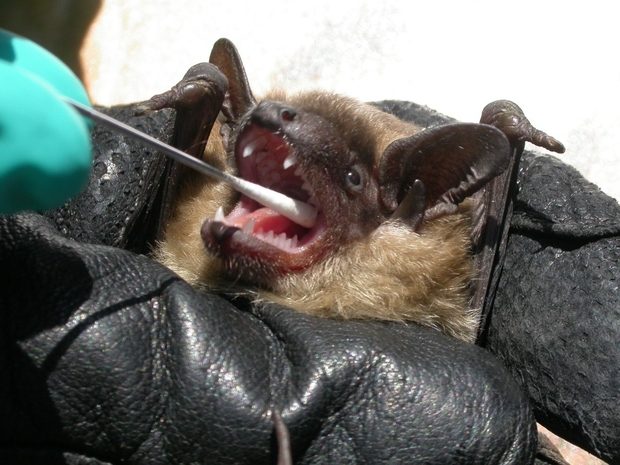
x: 265, y: 157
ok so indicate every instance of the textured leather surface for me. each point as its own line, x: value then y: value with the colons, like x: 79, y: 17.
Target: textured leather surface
x: 119, y: 206
x: 556, y: 317
x: 109, y: 357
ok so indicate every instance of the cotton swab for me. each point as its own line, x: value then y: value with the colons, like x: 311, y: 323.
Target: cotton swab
x: 297, y: 211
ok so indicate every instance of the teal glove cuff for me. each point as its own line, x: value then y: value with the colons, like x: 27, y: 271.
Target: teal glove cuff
x: 45, y: 151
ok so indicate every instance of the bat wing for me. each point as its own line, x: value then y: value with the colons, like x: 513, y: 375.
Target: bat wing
x: 493, y: 205
x: 197, y: 99
x: 206, y: 90
x: 492, y: 212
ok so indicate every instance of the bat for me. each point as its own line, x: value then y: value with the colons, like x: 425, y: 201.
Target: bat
x: 409, y: 220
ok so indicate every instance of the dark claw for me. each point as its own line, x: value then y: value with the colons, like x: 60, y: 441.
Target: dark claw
x: 199, y: 81
x: 283, y: 439
x: 510, y: 119
x: 197, y: 98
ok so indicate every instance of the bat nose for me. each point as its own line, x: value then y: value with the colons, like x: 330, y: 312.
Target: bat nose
x: 273, y: 115
x: 287, y: 114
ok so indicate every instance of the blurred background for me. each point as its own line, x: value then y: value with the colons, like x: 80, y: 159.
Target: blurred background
x: 557, y: 61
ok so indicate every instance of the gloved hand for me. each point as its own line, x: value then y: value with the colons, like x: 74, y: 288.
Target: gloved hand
x: 44, y: 144
x: 107, y: 357
x: 111, y: 358
x: 556, y: 317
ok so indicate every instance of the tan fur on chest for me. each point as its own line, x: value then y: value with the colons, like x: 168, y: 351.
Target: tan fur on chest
x: 393, y: 274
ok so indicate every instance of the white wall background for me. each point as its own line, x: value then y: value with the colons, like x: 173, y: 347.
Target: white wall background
x: 558, y: 60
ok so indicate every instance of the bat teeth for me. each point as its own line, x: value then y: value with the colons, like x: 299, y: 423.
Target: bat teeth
x: 290, y: 160
x: 281, y: 241
x: 252, y: 147
x: 247, y: 151
x: 219, y: 214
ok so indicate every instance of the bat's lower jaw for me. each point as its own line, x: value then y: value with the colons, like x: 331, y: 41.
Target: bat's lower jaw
x: 259, y: 257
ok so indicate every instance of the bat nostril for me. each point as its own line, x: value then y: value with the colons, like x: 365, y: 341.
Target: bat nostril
x: 273, y: 115
x: 287, y: 114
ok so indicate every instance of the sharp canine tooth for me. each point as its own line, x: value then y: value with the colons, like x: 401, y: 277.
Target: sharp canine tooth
x: 219, y: 214
x: 253, y: 146
x: 289, y: 161
x: 247, y: 151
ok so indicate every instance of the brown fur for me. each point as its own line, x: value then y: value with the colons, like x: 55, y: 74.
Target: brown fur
x: 393, y: 273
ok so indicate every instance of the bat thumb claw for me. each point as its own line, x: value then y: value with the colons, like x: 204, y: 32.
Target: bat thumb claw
x: 542, y: 139
x: 155, y: 103
x: 508, y: 117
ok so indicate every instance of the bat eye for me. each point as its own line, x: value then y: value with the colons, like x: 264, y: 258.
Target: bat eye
x: 354, y: 179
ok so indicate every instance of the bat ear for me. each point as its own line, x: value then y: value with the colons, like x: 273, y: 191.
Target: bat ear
x: 435, y: 169
x: 239, y: 100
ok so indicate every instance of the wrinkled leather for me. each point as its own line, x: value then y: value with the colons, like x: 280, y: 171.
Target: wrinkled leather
x: 119, y: 207
x: 556, y: 317
x: 108, y: 357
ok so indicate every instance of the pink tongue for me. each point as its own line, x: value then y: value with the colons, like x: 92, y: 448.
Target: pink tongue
x: 266, y: 220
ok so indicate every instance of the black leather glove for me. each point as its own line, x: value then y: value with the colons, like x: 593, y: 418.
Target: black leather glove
x: 556, y: 316
x: 107, y: 357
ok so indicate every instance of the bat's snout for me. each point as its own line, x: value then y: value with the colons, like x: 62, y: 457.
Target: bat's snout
x: 273, y: 115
